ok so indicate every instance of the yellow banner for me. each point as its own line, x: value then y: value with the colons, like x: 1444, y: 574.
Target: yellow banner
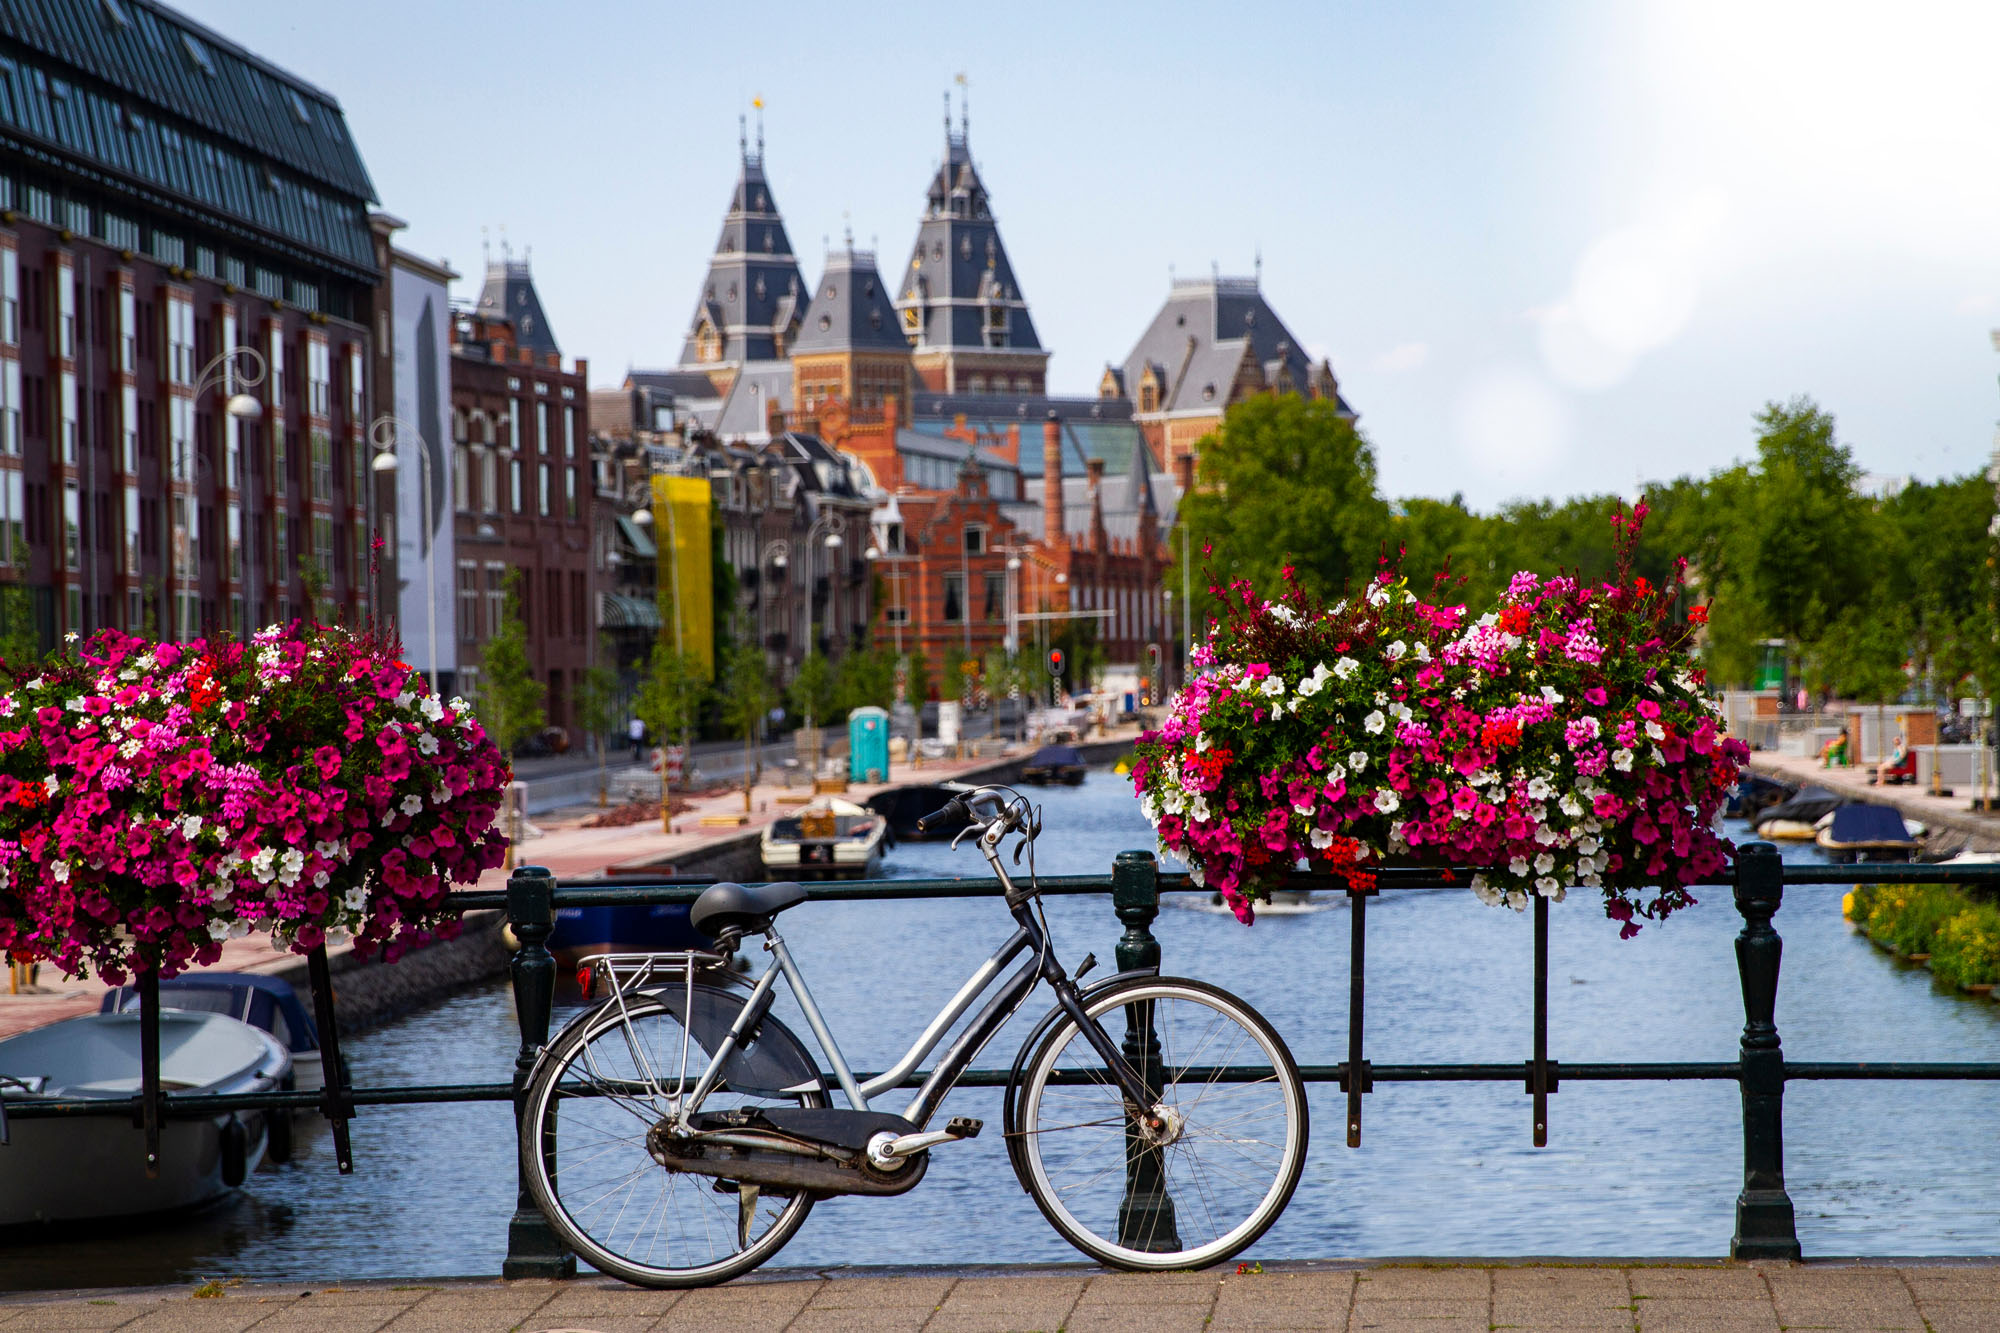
x: 680, y: 528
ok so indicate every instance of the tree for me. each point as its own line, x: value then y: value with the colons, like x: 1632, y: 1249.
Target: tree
x: 917, y: 682
x: 812, y: 691
x: 1812, y: 539
x: 1287, y: 480
x: 865, y: 679
x: 747, y: 695
x: 1083, y: 652
x: 509, y: 698
x: 669, y: 702
x: 20, y: 640
x: 596, y: 694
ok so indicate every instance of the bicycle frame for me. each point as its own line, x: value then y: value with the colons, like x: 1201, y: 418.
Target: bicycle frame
x: 1004, y: 1002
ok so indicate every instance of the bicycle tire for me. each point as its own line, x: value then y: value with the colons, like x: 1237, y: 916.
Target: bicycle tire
x: 541, y: 1151
x: 1144, y: 1236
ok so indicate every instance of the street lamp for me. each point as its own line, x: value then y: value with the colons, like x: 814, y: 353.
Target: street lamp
x: 222, y: 370
x: 385, y: 432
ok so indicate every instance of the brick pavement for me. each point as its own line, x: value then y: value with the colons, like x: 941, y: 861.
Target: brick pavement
x: 1921, y: 1297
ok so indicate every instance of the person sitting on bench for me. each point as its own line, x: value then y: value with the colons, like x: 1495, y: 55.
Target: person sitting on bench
x: 1834, y: 753
x: 1899, y: 767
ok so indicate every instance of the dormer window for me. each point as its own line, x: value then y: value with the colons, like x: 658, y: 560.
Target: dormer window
x: 965, y: 246
x: 197, y: 54
x: 1149, y: 397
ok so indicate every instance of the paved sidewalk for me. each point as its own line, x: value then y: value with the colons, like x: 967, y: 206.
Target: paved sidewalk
x: 1917, y: 1296
x: 1981, y: 831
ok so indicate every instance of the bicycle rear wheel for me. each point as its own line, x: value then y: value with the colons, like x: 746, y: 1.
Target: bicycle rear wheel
x: 584, y: 1155
x: 1221, y: 1171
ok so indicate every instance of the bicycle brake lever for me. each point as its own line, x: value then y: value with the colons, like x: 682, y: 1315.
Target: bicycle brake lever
x: 965, y: 832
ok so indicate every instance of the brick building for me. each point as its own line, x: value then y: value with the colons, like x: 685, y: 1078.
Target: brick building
x: 167, y: 197
x: 523, y: 487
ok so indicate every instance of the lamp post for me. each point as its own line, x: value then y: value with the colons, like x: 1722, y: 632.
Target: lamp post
x: 386, y: 432
x: 233, y: 370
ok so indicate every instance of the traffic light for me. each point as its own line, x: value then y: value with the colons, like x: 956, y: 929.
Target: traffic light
x: 1056, y: 662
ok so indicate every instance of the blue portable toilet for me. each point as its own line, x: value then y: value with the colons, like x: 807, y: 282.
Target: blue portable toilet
x: 867, y: 745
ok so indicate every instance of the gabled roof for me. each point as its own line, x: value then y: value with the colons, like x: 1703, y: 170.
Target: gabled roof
x: 509, y: 294
x: 851, y: 310
x: 1202, y: 336
x: 746, y: 412
x: 753, y: 294
x: 959, y: 280
x: 158, y: 106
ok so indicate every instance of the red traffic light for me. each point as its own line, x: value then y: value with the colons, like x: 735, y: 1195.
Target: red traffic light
x: 1055, y: 661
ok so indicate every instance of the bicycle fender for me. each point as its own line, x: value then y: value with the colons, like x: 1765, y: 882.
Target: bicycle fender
x: 1010, y: 1120
x: 768, y: 1060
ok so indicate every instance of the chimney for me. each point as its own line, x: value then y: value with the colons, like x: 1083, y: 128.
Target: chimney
x: 1052, y: 482
x: 774, y: 416
x: 1184, y: 472
x: 582, y: 371
x: 1095, y: 467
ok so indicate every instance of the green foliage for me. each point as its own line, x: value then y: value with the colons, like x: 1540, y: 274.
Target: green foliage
x: 509, y: 698
x: 1287, y: 480
x: 1966, y: 951
x: 20, y: 639
x: 864, y: 679
x: 1083, y: 653
x: 597, y: 691
x: 813, y: 692
x: 747, y: 691
x: 671, y: 693
x: 917, y: 681
x: 1961, y: 933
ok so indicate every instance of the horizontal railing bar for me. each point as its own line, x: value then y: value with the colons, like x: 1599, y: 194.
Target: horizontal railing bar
x: 1890, y: 1069
x: 193, y: 1105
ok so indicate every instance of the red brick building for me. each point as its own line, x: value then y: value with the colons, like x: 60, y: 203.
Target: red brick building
x: 523, y: 487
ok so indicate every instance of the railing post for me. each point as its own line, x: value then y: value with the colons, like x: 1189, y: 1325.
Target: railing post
x: 1765, y: 1226
x: 533, y: 1249
x: 1146, y: 1217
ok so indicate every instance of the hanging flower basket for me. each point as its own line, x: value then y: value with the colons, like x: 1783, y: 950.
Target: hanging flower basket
x: 158, y: 799
x: 1561, y: 738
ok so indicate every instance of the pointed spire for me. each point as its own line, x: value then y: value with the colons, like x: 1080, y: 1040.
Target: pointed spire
x: 847, y: 230
x: 758, y: 102
x: 743, y: 137
x: 1258, y: 273
x: 947, y: 121
x: 964, y: 112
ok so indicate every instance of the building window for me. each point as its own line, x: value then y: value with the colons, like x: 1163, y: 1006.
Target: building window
x: 461, y: 479
x: 996, y: 596
x: 280, y: 464
x: 10, y: 297
x: 514, y: 485
x: 489, y: 481
x: 72, y: 527
x: 496, y: 596
x: 322, y: 468
x: 10, y: 408
x: 542, y: 440
x: 542, y: 490
x: 954, y: 599
x: 569, y: 494
x: 13, y: 517
x: 975, y: 539
x: 513, y: 423
x: 128, y: 331
x: 569, y: 431
x: 468, y: 600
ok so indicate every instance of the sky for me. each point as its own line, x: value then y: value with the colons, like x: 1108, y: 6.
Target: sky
x: 1550, y: 249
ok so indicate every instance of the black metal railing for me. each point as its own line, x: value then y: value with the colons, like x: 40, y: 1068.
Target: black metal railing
x: 1765, y: 1227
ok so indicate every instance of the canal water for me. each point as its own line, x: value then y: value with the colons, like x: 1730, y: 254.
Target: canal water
x: 1647, y: 1169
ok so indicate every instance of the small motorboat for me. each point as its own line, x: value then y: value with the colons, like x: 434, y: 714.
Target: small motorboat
x: 93, y: 1168
x: 827, y: 838
x: 263, y: 1002
x: 904, y: 806
x: 1054, y: 763
x: 624, y: 928
x: 1864, y: 832
x: 1797, y: 820
x: 1754, y: 794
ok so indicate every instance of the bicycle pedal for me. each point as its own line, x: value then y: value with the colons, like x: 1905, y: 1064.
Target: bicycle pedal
x: 964, y: 1127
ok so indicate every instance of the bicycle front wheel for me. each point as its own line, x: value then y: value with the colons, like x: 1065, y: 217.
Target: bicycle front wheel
x: 1195, y: 1189
x: 585, y: 1156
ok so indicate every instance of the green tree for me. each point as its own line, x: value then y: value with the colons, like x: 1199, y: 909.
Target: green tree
x: 917, y: 681
x: 20, y: 640
x: 865, y: 679
x: 747, y: 696
x: 1287, y: 480
x: 670, y: 699
x: 596, y: 697
x: 1812, y: 538
x: 509, y: 698
x: 813, y: 692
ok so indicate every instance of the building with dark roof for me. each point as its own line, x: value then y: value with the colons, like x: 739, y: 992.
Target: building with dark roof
x: 962, y: 306
x: 753, y: 297
x: 1214, y: 342
x: 509, y: 293
x: 851, y: 346
x: 167, y: 197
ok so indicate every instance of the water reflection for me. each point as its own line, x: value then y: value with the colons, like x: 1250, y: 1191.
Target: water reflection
x: 1444, y: 1169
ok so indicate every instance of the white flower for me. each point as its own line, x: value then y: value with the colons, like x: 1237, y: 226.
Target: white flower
x: 1482, y: 888
x: 1549, y: 695
x: 1199, y: 809
x: 1549, y: 887
x: 1387, y: 801
x: 355, y: 898
x: 431, y: 708
x: 427, y: 744
x: 1622, y: 760
x: 1284, y: 615
x: 1344, y: 668
x: 1544, y: 863
x: 1358, y: 760
x: 1402, y: 712
x: 59, y: 872
x: 291, y: 865
x: 1378, y: 595
x: 1303, y: 807
x: 191, y: 826
x: 70, y: 637
x: 1423, y: 653
x: 413, y: 805
x: 1374, y: 723
x: 260, y: 865
x: 1654, y: 731
x: 1274, y: 685
x: 1588, y: 845
x: 34, y: 684
x: 1322, y: 838
x: 50, y: 784
x: 405, y: 699
x: 1395, y: 651
x: 1570, y: 805
x: 1539, y: 789
x: 1200, y: 741
x: 1517, y: 866
x: 1337, y: 773
x: 1381, y: 698
x: 74, y: 705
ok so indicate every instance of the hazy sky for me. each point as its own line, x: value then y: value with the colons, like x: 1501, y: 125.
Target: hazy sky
x: 1549, y: 248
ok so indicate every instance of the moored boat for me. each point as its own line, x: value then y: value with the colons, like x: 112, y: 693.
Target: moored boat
x: 1054, y: 763
x: 1865, y: 832
x: 827, y: 838
x: 1797, y: 820
x: 267, y: 1003
x: 93, y: 1168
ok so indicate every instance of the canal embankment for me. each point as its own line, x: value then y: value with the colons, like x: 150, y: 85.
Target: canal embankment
x: 1631, y: 1297
x: 1951, y: 813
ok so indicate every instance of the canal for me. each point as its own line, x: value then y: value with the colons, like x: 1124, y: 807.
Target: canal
x: 1444, y: 1169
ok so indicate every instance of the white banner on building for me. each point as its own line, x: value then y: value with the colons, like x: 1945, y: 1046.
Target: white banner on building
x: 424, y: 549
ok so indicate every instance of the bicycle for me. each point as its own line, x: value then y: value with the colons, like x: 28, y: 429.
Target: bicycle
x: 677, y: 1134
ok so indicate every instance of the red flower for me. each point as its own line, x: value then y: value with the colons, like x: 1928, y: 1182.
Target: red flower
x: 1697, y: 615
x: 1514, y: 620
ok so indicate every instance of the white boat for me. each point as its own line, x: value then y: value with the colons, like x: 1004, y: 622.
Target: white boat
x: 89, y: 1168
x: 828, y: 837
x: 263, y: 1002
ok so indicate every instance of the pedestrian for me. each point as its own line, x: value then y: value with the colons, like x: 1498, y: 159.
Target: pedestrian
x: 637, y: 731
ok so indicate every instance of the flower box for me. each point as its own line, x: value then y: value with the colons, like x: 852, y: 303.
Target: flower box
x: 157, y: 799
x: 1563, y: 738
